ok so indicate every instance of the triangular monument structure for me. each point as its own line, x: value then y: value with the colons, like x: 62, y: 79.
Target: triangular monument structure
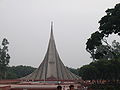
x: 51, y: 67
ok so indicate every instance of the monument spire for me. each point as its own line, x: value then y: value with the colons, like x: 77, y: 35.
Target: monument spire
x: 51, y: 26
x: 52, y: 67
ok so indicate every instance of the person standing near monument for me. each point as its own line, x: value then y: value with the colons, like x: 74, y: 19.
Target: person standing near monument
x: 59, y: 88
x: 71, y: 87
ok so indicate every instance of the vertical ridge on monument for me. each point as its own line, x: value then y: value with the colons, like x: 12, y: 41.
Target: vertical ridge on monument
x: 51, y: 67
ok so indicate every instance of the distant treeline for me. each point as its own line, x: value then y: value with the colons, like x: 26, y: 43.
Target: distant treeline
x: 15, y: 72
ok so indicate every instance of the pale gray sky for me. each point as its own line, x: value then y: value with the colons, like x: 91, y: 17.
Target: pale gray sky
x: 26, y: 24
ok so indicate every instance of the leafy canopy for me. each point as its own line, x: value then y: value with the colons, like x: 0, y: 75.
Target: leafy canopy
x: 97, y: 44
x: 4, y: 58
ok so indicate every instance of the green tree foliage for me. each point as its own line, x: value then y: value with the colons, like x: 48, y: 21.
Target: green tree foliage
x: 93, y: 42
x: 106, y: 57
x: 110, y: 23
x: 15, y: 72
x: 108, y: 52
x: 101, y: 70
x: 4, y: 58
x: 97, y: 44
x: 88, y: 72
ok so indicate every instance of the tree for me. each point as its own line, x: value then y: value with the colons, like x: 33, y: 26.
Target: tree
x: 15, y: 72
x: 93, y: 42
x: 4, y: 58
x: 88, y: 72
x: 101, y: 70
x: 102, y: 67
x: 109, y: 24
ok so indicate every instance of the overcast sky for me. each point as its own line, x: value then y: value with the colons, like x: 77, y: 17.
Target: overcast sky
x: 26, y: 24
